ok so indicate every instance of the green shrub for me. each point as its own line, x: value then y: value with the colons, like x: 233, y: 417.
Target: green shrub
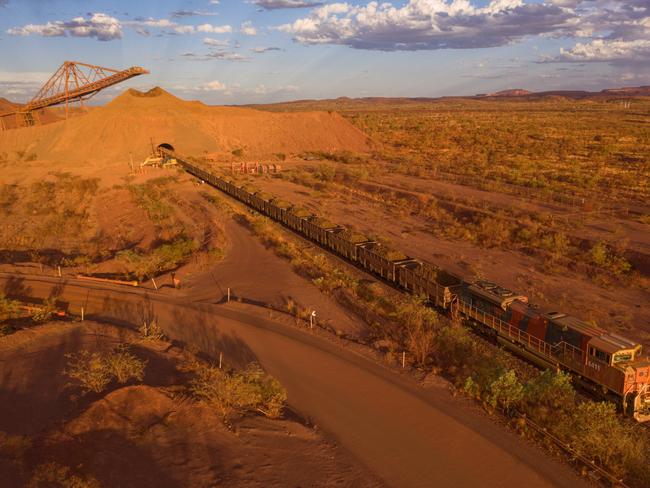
x: 471, y: 388
x: 151, y: 331
x: 236, y: 392
x: 454, y: 347
x: 89, y: 369
x: 163, y: 258
x: 419, y: 323
x: 94, y: 371
x: 8, y: 311
x: 124, y: 366
x: 506, y: 392
x: 45, y: 312
x: 550, y: 393
x: 53, y: 475
x: 596, y: 431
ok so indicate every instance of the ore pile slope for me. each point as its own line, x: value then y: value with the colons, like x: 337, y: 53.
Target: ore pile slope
x: 129, y: 123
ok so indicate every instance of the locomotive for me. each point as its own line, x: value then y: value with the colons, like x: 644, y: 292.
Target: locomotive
x: 607, y: 363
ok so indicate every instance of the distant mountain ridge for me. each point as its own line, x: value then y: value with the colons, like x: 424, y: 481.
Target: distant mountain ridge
x: 623, y: 91
x: 161, y: 94
x: 514, y: 92
x: 509, y: 94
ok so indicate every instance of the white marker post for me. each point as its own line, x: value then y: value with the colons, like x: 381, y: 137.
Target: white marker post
x: 312, y: 319
x: 154, y: 284
x: 82, y: 314
x: 59, y: 268
x: 229, y: 295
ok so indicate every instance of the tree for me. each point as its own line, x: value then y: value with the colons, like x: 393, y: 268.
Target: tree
x: 420, y: 328
x: 597, y: 432
x: 550, y: 393
x: 8, y: 308
x: 506, y: 391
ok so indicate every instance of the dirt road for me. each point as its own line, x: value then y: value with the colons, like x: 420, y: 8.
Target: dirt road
x: 408, y: 436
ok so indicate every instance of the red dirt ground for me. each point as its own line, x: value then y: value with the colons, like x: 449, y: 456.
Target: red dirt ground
x: 151, y: 435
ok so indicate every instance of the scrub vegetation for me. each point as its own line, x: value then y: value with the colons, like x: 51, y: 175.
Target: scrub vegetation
x: 479, y: 369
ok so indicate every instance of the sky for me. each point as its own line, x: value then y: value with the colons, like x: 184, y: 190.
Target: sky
x: 257, y: 51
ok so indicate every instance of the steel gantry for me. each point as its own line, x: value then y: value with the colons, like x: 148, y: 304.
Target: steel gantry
x: 72, y: 82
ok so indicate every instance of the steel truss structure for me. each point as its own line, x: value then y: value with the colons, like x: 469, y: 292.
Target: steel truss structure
x: 72, y: 82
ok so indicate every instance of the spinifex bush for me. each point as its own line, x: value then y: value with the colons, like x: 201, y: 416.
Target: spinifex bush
x: 89, y: 369
x: 8, y: 309
x: 236, y: 392
x: 44, y: 313
x: 94, y: 371
x: 124, y: 366
x: 151, y: 331
x: 54, y: 475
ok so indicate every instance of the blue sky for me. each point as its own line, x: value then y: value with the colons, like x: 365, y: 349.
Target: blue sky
x: 237, y: 51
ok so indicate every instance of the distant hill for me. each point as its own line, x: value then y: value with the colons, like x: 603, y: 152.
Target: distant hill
x: 7, y: 106
x: 633, y: 90
x: 515, y: 92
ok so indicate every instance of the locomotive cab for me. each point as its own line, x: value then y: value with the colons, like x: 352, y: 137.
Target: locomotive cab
x: 612, y: 350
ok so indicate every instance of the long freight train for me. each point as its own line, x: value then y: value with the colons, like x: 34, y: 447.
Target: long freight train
x: 606, y: 362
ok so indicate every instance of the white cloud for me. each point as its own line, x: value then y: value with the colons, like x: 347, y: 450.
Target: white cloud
x: 600, y: 50
x: 227, y: 56
x: 278, y: 4
x: 24, y: 76
x: 262, y: 89
x: 260, y: 50
x: 248, y: 29
x: 235, y: 89
x: 192, y: 13
x: 99, y: 25
x: 151, y: 22
x: 21, y: 86
x: 429, y: 24
x: 220, y: 54
x: 614, y: 31
x: 214, y: 29
x: 184, y: 29
x: 169, y: 26
x: 215, y: 85
x: 215, y: 42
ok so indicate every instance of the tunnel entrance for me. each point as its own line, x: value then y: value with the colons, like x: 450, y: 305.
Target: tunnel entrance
x: 165, y: 146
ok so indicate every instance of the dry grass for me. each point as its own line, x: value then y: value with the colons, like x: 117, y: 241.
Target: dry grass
x: 94, y: 371
x: 236, y: 392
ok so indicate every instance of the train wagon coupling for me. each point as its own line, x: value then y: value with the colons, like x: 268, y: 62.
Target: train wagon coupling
x: 608, y: 364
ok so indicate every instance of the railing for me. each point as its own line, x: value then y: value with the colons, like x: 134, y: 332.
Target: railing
x: 563, y: 352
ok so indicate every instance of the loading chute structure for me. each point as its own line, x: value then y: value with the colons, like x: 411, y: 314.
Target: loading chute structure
x: 72, y: 82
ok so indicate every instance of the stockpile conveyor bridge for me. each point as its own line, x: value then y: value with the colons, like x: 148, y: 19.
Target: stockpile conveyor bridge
x: 72, y: 82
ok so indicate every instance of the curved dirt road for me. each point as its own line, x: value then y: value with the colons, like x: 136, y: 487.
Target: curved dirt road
x: 408, y: 436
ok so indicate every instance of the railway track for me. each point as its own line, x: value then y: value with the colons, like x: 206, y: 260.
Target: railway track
x: 434, y: 441
x: 605, y: 362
